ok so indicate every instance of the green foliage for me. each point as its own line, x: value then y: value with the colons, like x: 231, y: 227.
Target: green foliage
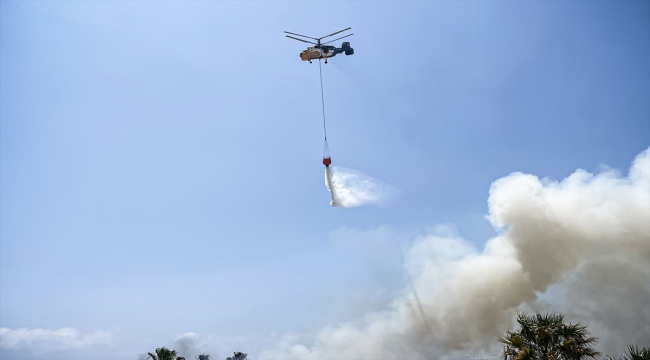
x: 634, y: 353
x: 238, y: 356
x: 548, y: 337
x: 203, y: 357
x: 165, y: 354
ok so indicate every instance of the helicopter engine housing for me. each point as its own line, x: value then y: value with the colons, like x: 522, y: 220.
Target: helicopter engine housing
x: 347, y: 49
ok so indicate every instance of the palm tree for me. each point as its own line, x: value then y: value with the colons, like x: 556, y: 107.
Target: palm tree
x: 165, y: 354
x: 238, y: 356
x: 203, y: 357
x: 634, y: 353
x: 548, y: 337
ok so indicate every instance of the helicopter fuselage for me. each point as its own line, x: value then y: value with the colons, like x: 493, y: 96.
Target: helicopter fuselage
x: 325, y: 51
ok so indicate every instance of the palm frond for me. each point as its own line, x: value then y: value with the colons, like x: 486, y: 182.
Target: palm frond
x: 634, y: 353
x: 546, y: 336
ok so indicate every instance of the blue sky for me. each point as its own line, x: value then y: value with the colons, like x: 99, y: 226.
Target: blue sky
x: 160, y: 161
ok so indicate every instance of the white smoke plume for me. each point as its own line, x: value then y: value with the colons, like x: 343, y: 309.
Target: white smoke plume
x: 190, y: 344
x: 580, y: 246
x: 186, y: 345
x: 350, y: 188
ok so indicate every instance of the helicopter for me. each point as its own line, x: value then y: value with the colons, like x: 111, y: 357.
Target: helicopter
x: 322, y: 51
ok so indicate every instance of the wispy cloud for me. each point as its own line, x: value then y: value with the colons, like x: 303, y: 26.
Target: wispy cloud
x: 44, y: 340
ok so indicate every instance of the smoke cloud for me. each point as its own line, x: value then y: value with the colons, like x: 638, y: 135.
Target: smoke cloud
x: 186, y: 345
x: 580, y: 246
x: 350, y: 188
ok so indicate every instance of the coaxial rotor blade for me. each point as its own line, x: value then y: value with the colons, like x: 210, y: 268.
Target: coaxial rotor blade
x: 340, y: 31
x: 337, y: 39
x: 291, y: 37
x: 301, y: 35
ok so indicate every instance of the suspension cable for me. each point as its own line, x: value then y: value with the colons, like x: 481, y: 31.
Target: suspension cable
x: 322, y: 96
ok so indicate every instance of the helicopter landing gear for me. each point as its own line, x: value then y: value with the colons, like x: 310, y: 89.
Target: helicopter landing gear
x: 325, y: 61
x: 310, y: 61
